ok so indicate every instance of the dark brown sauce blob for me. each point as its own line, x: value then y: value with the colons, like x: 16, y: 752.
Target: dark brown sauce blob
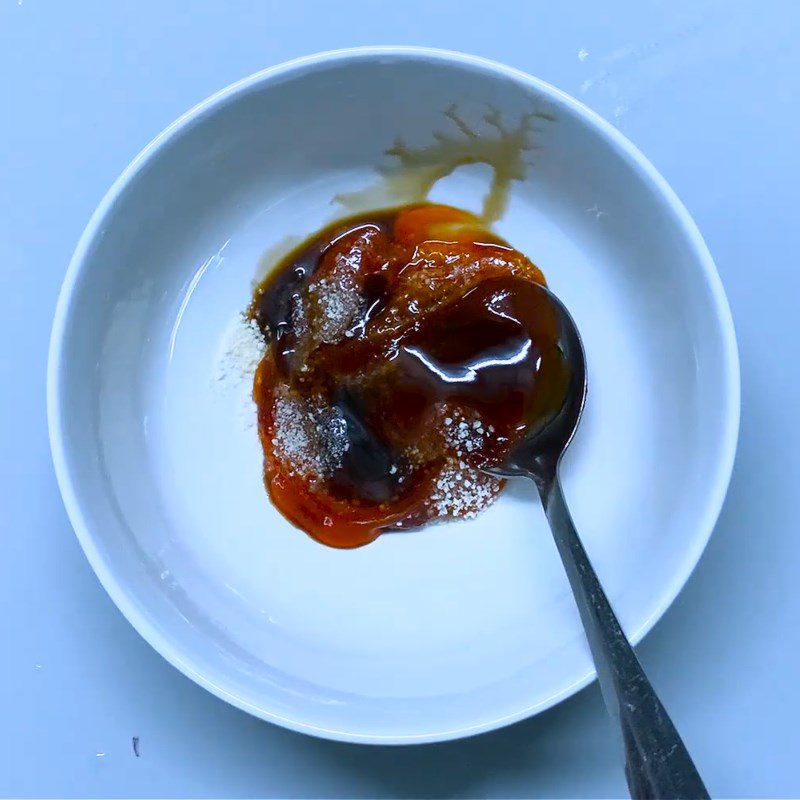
x: 406, y: 350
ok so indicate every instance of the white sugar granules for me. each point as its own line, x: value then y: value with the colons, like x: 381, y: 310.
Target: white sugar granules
x: 332, y: 437
x: 311, y: 441
x: 335, y: 303
x: 465, y: 435
x: 294, y: 436
x: 461, y: 491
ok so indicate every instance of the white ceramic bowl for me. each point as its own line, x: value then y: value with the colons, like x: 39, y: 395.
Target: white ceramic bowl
x: 437, y: 634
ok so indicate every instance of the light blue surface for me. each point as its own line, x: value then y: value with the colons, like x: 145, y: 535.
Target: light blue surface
x: 709, y: 92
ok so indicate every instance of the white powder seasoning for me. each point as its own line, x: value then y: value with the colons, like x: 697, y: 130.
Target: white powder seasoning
x: 240, y: 351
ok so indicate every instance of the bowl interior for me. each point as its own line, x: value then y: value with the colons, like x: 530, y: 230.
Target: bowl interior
x: 431, y: 634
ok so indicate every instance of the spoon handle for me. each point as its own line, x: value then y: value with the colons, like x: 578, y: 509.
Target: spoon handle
x: 657, y: 762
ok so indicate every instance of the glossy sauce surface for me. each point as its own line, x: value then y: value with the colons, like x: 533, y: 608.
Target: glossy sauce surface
x: 406, y: 350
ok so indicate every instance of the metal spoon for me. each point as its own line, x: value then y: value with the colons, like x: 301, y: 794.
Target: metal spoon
x: 657, y: 764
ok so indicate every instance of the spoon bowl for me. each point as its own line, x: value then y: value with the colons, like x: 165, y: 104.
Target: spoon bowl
x: 544, y: 444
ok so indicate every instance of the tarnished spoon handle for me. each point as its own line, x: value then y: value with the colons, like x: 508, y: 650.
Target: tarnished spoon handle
x: 657, y: 762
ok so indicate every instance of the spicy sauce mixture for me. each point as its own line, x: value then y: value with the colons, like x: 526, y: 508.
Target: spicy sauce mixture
x: 407, y: 349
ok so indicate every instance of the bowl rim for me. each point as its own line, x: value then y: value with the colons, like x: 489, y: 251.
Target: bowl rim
x: 730, y: 410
